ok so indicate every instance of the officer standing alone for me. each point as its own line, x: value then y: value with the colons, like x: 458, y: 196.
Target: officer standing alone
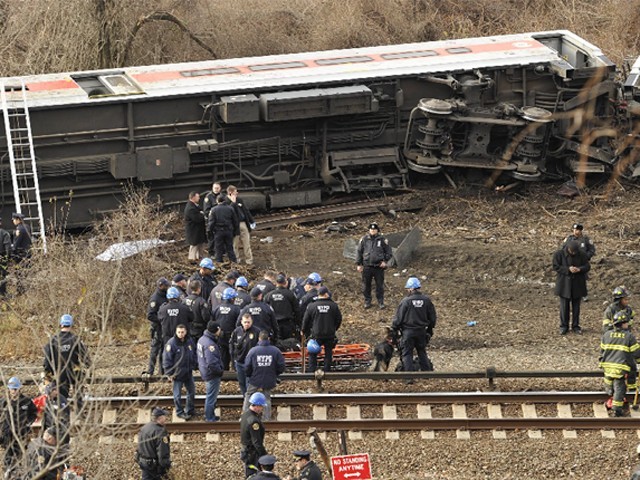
x: 374, y: 253
x: 571, y: 266
x: 252, y: 434
x: 153, y: 454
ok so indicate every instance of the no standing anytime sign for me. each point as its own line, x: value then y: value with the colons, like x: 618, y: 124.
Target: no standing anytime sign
x: 351, y: 467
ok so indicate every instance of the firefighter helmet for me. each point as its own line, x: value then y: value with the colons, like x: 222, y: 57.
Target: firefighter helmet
x: 620, y: 292
x: 620, y: 318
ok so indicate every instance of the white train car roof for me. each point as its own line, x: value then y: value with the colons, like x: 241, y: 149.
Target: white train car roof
x: 299, y: 69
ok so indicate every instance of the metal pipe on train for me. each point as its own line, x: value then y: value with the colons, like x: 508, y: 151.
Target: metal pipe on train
x: 294, y: 128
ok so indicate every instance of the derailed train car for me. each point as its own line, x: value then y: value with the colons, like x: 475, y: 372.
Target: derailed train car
x: 293, y: 128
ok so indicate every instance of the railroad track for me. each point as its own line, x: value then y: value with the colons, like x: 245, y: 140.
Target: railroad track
x: 332, y: 212
x: 461, y: 412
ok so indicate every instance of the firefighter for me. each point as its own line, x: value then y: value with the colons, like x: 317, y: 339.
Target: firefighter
x: 619, y: 352
x: 620, y: 304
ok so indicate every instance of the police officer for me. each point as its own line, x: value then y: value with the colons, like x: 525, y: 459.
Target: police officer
x: 307, y: 468
x: 263, y: 365
x: 321, y: 321
x: 21, y: 247
x: 242, y: 287
x: 416, y: 319
x: 5, y: 255
x: 619, y: 351
x: 373, y: 255
x: 268, y: 282
x: 267, y: 464
x: 585, y: 245
x: 285, y: 306
x: 262, y: 314
x: 158, y: 298
x: 210, y: 366
x: 226, y: 314
x: 65, y: 358
x: 215, y: 298
x: 200, y: 309
x: 172, y: 314
x: 17, y: 413
x: 252, y: 434
x: 154, y: 454
x: 45, y: 459
x: 311, y: 286
x: 571, y: 266
x: 223, y: 225
x: 179, y: 361
x: 205, y: 276
x: 620, y: 303
x: 57, y: 413
x: 243, y: 339
x: 211, y: 198
x: 179, y: 282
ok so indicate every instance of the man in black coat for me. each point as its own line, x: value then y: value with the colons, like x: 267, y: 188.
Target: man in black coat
x: 223, y: 226
x: 194, y: 227
x: 571, y: 266
x: 153, y: 454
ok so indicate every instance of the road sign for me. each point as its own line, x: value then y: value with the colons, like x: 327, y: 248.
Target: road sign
x: 351, y: 467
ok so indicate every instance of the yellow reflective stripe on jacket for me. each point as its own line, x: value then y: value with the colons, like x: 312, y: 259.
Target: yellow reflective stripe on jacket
x: 618, y: 347
x: 610, y: 367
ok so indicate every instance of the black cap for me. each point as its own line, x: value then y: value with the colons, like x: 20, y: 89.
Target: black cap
x: 255, y: 292
x: 163, y: 282
x: 374, y: 226
x: 212, y: 327
x: 267, y: 460
x: 578, y: 226
x: 281, y: 278
x: 302, y: 454
x: 324, y: 291
x: 230, y: 276
x: 179, y: 277
x: 17, y: 215
x: 158, y: 412
x: 310, y: 281
x: 52, y: 431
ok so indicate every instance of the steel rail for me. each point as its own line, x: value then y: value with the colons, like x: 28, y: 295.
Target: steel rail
x: 235, y: 401
x: 545, y: 423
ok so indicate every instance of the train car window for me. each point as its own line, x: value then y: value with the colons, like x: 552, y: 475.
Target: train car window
x: 117, y: 83
x: 277, y: 66
x: 120, y: 85
x: 209, y: 71
x: 397, y: 56
x: 455, y: 50
x: 340, y: 61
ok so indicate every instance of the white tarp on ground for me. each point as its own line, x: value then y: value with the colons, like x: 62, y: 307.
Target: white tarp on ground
x: 118, y: 251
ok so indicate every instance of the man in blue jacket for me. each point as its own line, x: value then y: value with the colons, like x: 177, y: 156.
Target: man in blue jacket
x: 210, y: 365
x: 179, y: 361
x: 263, y: 365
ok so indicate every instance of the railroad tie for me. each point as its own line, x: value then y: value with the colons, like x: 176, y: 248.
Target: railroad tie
x: 176, y: 437
x: 564, y: 411
x: 424, y: 412
x: 283, y: 414
x: 108, y: 418
x: 600, y: 411
x: 635, y: 414
x: 144, y: 415
x: 495, y: 411
x: 389, y: 412
x: 212, y: 437
x: 529, y: 411
x: 460, y: 411
x: 353, y: 413
x: 320, y: 413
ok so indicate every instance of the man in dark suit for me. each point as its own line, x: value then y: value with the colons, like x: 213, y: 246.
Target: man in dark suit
x: 571, y: 266
x: 194, y: 226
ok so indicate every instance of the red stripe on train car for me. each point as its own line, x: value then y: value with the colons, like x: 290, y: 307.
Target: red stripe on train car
x: 151, y: 77
x: 52, y: 85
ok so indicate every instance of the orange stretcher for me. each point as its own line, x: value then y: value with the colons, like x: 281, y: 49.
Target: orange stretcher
x: 346, y: 358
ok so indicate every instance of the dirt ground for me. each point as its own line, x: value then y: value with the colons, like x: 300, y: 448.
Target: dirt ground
x: 484, y: 257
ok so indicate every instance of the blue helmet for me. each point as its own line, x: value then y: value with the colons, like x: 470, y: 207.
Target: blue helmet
x: 66, y: 320
x: 229, y: 293
x: 259, y: 399
x: 412, y: 283
x: 173, y: 292
x: 242, y: 282
x: 313, y: 346
x: 207, y: 263
x: 14, y: 383
x: 315, y: 277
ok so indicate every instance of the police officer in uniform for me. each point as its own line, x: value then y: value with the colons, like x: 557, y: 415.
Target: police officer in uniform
x: 307, y: 468
x: 571, y: 266
x: 21, y: 247
x: 17, y: 413
x: 252, y: 434
x: 226, y: 314
x: 268, y: 282
x: 620, y: 303
x: 65, y: 358
x: 223, y: 225
x: 585, y: 244
x: 311, y: 286
x: 153, y: 454
x: 215, y: 298
x: 243, y: 339
x: 45, y: 458
x: 416, y: 319
x: 172, y: 314
x: 285, y: 306
x: 158, y: 298
x: 200, y: 309
x: 262, y: 314
x: 267, y: 464
x: 242, y: 287
x: 5, y: 255
x: 619, y: 352
x: 374, y: 253
x: 321, y: 321
x: 205, y: 276
x: 211, y: 199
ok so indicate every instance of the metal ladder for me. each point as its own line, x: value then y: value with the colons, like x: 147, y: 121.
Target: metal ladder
x: 22, y: 159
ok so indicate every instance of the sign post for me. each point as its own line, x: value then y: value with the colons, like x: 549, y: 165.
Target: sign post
x: 351, y: 467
